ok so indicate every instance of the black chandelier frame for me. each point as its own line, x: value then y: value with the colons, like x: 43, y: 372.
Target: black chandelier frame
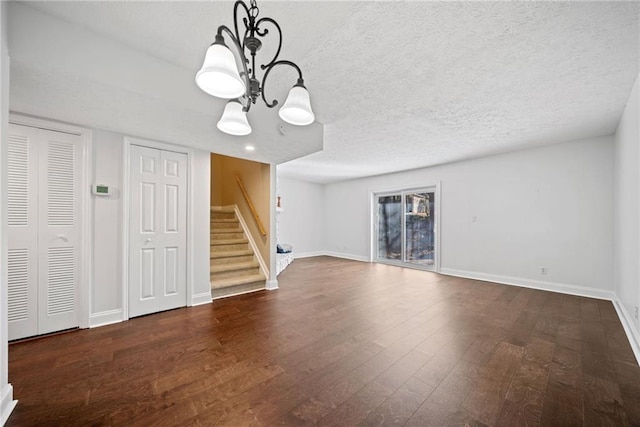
x: 253, y: 32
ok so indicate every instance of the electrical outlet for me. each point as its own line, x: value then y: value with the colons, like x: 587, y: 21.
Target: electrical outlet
x: 543, y: 270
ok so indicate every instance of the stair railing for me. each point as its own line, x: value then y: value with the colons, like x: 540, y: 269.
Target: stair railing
x: 256, y: 217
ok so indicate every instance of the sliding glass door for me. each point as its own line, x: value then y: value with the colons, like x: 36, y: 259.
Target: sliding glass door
x: 406, y: 228
x: 390, y: 227
x: 419, y: 231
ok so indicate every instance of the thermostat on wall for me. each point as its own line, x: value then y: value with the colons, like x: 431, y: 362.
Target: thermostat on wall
x: 101, y: 190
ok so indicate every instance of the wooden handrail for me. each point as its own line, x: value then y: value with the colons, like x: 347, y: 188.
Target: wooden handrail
x: 251, y: 207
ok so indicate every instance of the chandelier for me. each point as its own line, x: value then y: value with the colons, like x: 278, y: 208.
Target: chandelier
x: 219, y: 75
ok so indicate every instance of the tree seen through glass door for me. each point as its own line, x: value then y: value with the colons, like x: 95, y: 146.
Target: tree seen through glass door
x: 419, y: 228
x: 390, y: 227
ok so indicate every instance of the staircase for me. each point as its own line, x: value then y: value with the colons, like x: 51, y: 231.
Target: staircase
x: 234, y: 266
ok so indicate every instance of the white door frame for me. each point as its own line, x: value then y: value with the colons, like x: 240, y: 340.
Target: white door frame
x: 86, y: 240
x: 373, y: 207
x: 126, y: 182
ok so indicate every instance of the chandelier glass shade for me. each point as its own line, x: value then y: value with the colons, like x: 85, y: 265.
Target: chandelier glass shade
x: 234, y: 119
x: 297, y: 108
x: 220, y: 76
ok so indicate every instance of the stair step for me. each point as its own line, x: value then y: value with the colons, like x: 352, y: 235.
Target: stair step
x: 231, y: 260
x: 235, y: 273
x: 219, y: 268
x: 229, y: 247
x: 222, y: 217
x: 235, y: 281
x: 235, y: 269
x: 222, y: 242
x: 231, y: 254
x: 219, y: 226
x: 227, y: 230
x: 217, y: 237
x: 222, y: 209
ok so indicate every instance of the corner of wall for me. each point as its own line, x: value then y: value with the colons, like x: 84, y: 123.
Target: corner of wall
x: 201, y: 299
x: 626, y: 189
x: 633, y: 335
x: 7, y: 403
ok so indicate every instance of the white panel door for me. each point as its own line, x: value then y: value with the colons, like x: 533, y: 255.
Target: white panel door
x: 59, y: 246
x: 22, y: 213
x: 158, y: 238
x: 44, y: 224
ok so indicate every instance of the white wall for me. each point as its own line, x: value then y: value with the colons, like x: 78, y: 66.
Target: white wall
x: 627, y: 213
x: 106, y: 295
x: 301, y: 222
x: 108, y: 234
x: 6, y: 391
x: 201, y: 223
x: 549, y: 206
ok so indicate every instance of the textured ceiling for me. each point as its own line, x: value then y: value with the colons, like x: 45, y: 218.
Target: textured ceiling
x: 401, y: 85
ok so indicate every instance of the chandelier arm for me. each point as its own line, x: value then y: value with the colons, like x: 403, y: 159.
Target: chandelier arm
x: 264, y: 33
x: 235, y: 22
x: 244, y: 38
x: 245, y: 72
x: 270, y: 67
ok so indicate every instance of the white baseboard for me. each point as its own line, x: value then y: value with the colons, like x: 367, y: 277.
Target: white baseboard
x: 6, y: 403
x: 271, y: 285
x: 331, y: 254
x: 629, y: 327
x: 346, y: 256
x: 200, y: 299
x: 308, y: 254
x: 105, y: 318
x: 533, y: 284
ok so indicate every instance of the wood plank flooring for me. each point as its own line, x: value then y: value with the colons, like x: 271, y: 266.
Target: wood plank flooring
x: 341, y: 343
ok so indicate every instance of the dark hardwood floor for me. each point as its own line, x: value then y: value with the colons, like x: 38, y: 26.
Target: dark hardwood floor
x: 342, y: 343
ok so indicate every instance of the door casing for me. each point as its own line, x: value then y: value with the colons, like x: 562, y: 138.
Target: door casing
x: 86, y: 240
x: 373, y: 243
x: 157, y: 239
x: 126, y: 183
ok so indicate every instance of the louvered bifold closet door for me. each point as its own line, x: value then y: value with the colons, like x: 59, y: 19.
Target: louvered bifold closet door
x: 22, y: 231
x: 60, y: 159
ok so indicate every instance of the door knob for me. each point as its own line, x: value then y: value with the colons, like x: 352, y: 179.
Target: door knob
x: 147, y: 241
x: 63, y: 237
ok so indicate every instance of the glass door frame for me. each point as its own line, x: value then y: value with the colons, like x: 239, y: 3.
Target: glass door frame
x: 375, y: 195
